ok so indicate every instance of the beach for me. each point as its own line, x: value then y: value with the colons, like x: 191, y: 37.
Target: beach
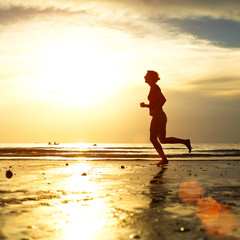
x: 119, y: 200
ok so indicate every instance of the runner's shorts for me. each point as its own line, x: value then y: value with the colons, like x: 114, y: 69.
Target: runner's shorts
x: 158, y: 124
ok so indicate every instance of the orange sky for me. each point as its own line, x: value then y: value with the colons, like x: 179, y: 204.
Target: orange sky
x: 73, y: 72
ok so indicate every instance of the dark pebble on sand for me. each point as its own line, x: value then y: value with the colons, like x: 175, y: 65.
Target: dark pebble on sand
x: 122, y: 167
x: 84, y: 174
x: 231, y: 204
x: 9, y: 174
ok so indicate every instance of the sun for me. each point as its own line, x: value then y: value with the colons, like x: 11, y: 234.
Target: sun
x: 76, y: 72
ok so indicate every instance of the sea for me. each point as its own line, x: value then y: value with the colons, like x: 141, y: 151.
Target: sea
x: 118, y: 152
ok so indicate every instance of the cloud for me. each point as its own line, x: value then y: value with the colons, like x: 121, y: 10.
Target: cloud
x: 142, y: 8
x: 222, y: 86
x: 216, y: 21
x: 186, y: 8
x: 86, y: 15
x: 15, y: 14
x: 220, y: 32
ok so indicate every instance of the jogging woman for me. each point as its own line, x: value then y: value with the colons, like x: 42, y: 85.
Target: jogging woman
x: 159, y: 118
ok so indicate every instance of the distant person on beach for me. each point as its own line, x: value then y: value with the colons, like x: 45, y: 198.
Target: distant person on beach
x: 159, y: 118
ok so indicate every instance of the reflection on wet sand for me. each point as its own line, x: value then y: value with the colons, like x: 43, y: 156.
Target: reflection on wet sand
x: 102, y: 200
x: 87, y: 200
x: 158, y: 191
x: 82, y: 211
x: 217, y: 219
x: 192, y: 213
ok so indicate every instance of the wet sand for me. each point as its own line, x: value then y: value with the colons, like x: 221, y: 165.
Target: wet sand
x: 120, y: 200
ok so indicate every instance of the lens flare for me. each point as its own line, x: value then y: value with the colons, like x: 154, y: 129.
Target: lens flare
x: 218, y: 220
x: 208, y: 209
x: 190, y: 192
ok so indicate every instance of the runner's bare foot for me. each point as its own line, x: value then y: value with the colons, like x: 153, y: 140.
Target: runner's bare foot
x: 164, y: 161
x: 188, y: 145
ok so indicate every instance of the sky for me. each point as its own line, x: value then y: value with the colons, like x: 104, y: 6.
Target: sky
x: 73, y: 70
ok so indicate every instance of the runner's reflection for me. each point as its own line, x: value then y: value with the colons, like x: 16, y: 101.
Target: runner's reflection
x: 158, y: 191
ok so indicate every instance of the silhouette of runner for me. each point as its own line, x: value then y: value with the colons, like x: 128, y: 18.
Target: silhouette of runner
x: 159, y: 118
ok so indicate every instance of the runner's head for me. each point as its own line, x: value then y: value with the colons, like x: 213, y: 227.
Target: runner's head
x: 151, y: 76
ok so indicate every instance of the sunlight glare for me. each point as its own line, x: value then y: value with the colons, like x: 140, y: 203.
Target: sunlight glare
x: 75, y: 72
x: 82, y: 222
x: 83, y: 209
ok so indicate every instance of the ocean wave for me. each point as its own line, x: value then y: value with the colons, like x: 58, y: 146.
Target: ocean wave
x: 115, y: 153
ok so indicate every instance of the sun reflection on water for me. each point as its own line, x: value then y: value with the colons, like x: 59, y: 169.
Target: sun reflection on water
x: 83, y: 206
x: 83, y: 222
